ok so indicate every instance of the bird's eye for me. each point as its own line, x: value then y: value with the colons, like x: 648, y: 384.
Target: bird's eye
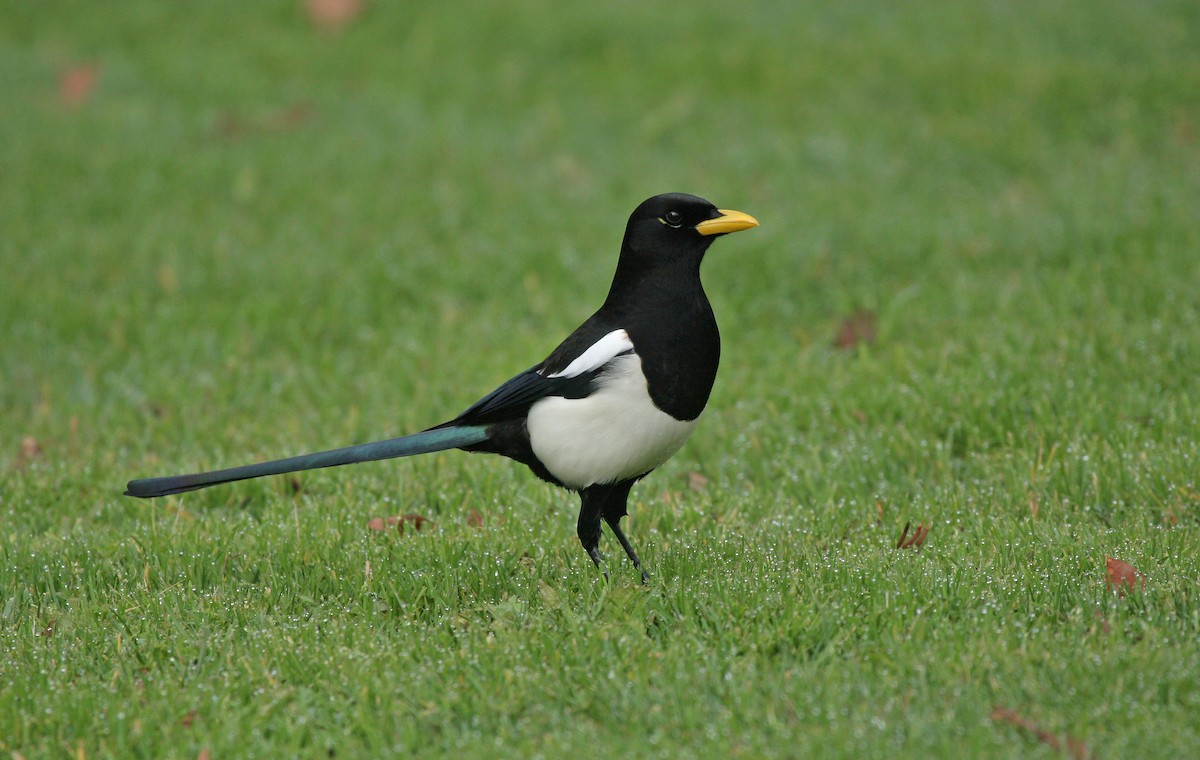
x: 673, y: 219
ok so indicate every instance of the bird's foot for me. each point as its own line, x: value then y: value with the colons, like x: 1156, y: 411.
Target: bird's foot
x: 615, y: 525
x: 598, y: 559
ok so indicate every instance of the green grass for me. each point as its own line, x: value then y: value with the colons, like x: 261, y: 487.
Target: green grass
x: 256, y: 239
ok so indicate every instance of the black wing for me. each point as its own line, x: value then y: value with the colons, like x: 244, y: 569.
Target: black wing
x: 513, y: 399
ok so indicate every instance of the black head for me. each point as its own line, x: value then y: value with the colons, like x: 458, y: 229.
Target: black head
x: 678, y: 226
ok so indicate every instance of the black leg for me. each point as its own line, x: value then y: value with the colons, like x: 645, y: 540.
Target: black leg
x: 615, y: 524
x: 605, y: 502
x: 588, y: 527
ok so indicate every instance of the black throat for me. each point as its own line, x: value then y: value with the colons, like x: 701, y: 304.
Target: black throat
x: 661, y: 303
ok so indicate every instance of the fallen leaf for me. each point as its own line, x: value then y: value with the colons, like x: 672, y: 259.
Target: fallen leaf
x: 290, y: 117
x: 671, y: 498
x: 203, y: 754
x: 417, y: 521
x: 398, y: 521
x: 230, y: 125
x: 1184, y: 130
x: 189, y: 718
x: 1123, y: 577
x: 30, y: 450
x: 48, y: 631
x: 475, y: 518
x: 234, y: 126
x: 696, y: 481
x: 859, y: 327
x: 1074, y: 747
x: 332, y: 15
x: 77, y: 83
x: 915, y: 540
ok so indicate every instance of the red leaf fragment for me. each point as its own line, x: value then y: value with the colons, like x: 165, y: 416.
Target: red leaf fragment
x: 189, y: 718
x: 1072, y: 746
x: 398, y: 521
x: 77, y: 83
x: 234, y: 126
x: 1122, y: 577
x: 475, y: 518
x: 30, y: 450
x: 293, y: 116
x: 915, y: 540
x: 417, y: 521
x: 332, y: 15
x: 859, y: 327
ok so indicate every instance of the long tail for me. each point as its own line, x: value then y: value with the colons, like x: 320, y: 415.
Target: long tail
x: 437, y: 439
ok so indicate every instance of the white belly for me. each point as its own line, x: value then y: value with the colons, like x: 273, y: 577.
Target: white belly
x: 615, y: 434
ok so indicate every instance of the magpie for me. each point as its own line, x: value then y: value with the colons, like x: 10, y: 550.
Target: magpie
x: 612, y: 402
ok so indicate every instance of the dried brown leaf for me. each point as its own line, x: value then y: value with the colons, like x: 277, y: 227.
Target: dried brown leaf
x: 333, y: 15
x: 231, y: 126
x: 293, y: 116
x: 915, y: 540
x: 475, y: 518
x: 1122, y: 577
x: 859, y: 327
x: 30, y: 450
x: 234, y: 126
x: 76, y: 84
x: 398, y: 522
x: 1072, y: 746
x: 417, y: 521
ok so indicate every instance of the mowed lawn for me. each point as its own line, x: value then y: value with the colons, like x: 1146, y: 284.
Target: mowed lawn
x: 231, y: 232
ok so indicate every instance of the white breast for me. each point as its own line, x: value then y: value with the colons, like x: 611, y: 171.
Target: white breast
x: 614, y: 434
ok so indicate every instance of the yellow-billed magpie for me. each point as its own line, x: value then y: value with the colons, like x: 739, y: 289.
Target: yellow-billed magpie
x: 615, y: 400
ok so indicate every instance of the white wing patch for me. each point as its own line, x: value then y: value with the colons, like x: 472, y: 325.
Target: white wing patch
x: 598, y: 354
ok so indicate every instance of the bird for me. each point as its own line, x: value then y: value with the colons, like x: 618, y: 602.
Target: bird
x: 608, y: 405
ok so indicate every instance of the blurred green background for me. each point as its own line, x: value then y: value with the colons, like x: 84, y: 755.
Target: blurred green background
x: 234, y: 231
